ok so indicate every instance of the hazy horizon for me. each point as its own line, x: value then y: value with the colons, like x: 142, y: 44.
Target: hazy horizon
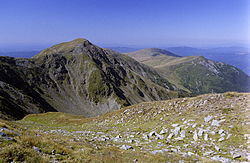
x: 39, y: 47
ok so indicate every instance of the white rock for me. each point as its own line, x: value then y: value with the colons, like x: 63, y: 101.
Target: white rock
x: 36, y: 149
x: 131, y: 141
x: 236, y: 156
x: 175, y: 125
x: 159, y: 136
x: 223, y: 120
x: 170, y: 136
x: 208, y: 153
x: 145, y: 137
x: 194, y: 125
x: 200, y: 133
x: 217, y: 148
x: 228, y: 136
x: 183, y: 133
x: 215, y: 123
x: 206, y: 137
x: 118, y: 136
x: 164, y: 131
x: 221, y: 139
x: 176, y: 131
x: 126, y: 147
x: 208, y: 118
x: 190, y: 153
x: 222, y: 135
x: 178, y: 139
x: 153, y: 133
x: 221, y: 131
x: 173, y: 150
x: 156, y: 151
x: 220, y: 159
x: 195, y: 137
x: 212, y: 132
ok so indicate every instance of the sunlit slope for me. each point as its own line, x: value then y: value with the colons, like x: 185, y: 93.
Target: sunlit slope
x: 211, y: 127
x: 196, y: 73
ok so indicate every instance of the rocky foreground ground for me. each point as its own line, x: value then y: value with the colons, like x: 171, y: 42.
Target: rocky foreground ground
x: 207, y: 128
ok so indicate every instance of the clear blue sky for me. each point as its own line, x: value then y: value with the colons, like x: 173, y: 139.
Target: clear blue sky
x: 125, y: 22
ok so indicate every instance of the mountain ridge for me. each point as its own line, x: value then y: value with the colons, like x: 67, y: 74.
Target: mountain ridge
x: 144, y: 54
x: 196, y: 73
x: 81, y: 78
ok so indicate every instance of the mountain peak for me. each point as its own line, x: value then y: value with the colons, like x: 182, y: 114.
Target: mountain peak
x: 64, y: 47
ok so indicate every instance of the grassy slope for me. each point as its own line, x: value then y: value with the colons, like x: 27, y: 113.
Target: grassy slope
x: 198, y: 74
x: 77, y: 138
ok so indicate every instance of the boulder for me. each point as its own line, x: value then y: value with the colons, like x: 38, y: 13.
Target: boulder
x: 164, y: 131
x: 118, y: 137
x: 153, y: 133
x: 206, y: 137
x: 145, y: 137
x: 2, y: 134
x: 176, y: 131
x: 217, y: 148
x: 228, y: 136
x: 208, y: 118
x: 215, y: 123
x: 183, y: 133
x: 236, y: 156
x: 221, y: 139
x: 221, y: 131
x: 195, y: 137
x: 37, y: 149
x: 200, y: 133
x: 126, y: 147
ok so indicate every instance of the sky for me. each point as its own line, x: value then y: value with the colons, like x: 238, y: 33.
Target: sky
x: 156, y: 23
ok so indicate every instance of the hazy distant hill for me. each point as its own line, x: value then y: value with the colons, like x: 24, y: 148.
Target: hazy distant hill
x: 20, y: 54
x: 146, y: 54
x: 195, y: 73
x: 123, y: 49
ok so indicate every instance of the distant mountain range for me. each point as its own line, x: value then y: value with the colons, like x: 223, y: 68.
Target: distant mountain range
x: 19, y: 54
x: 123, y: 49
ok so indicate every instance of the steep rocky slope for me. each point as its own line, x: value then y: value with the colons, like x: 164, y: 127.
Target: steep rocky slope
x: 196, y: 73
x: 77, y: 77
x: 207, y: 128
